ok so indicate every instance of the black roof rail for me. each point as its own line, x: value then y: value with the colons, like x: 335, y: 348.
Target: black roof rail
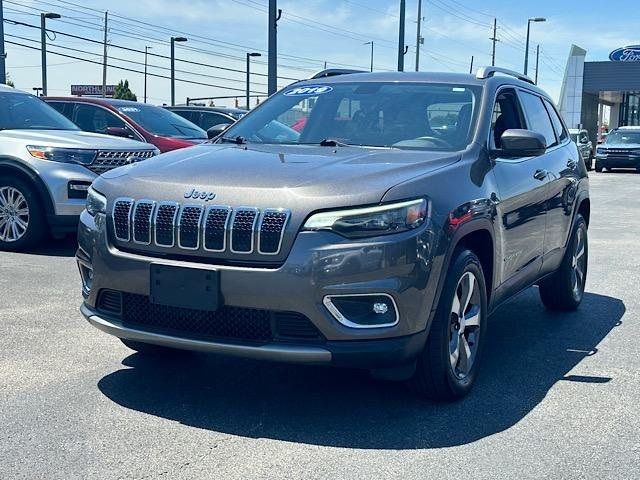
x: 487, y: 72
x: 332, y: 72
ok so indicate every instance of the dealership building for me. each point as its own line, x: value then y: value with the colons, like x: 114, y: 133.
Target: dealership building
x: 599, y: 95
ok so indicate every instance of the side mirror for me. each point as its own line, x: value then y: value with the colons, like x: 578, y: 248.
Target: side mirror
x: 522, y: 143
x: 119, y: 132
x: 216, y: 130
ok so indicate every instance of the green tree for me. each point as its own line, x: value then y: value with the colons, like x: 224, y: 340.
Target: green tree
x: 123, y: 91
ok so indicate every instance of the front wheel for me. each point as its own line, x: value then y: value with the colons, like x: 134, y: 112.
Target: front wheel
x: 448, y: 365
x: 564, y: 289
x: 22, y: 223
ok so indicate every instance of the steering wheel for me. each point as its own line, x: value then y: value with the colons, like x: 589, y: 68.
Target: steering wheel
x: 438, y: 142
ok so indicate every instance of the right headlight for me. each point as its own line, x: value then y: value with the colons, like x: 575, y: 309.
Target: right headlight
x: 96, y: 202
x: 371, y: 221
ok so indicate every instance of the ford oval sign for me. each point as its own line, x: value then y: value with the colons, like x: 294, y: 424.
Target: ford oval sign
x: 626, y: 54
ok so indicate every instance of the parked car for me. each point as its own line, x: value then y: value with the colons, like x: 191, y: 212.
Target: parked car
x: 585, y: 146
x: 369, y: 239
x: 214, y: 120
x: 123, y: 118
x: 46, y: 166
x: 621, y: 149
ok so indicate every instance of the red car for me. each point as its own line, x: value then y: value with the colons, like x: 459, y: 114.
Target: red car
x: 123, y: 118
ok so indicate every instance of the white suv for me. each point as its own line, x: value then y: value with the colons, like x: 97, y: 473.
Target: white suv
x: 46, y: 167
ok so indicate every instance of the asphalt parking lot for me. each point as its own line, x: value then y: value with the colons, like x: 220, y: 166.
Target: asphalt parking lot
x: 557, y: 396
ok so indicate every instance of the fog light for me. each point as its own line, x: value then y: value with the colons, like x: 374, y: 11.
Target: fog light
x: 86, y: 274
x: 369, y: 310
x: 380, y: 308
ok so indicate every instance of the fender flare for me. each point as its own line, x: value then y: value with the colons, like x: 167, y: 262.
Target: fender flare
x: 14, y: 165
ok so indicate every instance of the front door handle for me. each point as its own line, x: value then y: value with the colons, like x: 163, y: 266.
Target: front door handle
x: 572, y: 164
x: 540, y: 174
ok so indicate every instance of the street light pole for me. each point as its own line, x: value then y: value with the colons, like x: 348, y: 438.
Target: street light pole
x: 249, y: 55
x: 43, y: 46
x: 146, y: 53
x: 3, y: 54
x: 401, y: 49
x: 526, y: 49
x: 173, y: 67
x: 371, y: 62
x: 419, y: 38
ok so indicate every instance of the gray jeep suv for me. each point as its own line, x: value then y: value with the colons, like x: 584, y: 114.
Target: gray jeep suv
x: 46, y: 167
x: 403, y: 209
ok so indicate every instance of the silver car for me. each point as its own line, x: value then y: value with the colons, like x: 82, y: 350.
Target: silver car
x: 585, y: 146
x: 46, y: 167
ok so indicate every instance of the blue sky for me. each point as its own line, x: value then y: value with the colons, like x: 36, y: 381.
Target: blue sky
x: 310, y: 33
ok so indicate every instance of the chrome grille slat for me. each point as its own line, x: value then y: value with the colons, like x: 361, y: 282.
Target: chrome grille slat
x: 214, y: 231
x: 270, y: 233
x: 109, y: 159
x: 189, y: 227
x: 142, y: 213
x: 165, y: 224
x: 212, y: 228
x: 243, y: 227
x: 121, y: 217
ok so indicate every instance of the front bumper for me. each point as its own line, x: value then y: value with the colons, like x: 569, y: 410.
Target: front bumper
x: 403, y: 266
x: 619, y: 161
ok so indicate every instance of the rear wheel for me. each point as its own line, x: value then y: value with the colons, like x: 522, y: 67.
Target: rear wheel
x: 564, y: 289
x: 22, y: 223
x: 448, y: 365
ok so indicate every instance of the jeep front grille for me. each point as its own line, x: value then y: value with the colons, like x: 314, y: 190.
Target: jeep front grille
x: 216, y: 228
x: 109, y: 159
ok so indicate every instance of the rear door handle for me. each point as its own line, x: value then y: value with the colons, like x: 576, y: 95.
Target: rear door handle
x: 572, y: 164
x: 540, y: 174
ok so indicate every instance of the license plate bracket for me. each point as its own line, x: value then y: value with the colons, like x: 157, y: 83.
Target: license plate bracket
x: 195, y: 288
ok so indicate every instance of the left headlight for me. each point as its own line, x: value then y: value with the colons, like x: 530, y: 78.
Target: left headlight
x: 96, y: 202
x: 371, y: 221
x: 67, y: 155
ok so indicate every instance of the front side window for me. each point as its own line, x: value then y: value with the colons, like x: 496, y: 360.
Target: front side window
x: 21, y: 111
x: 92, y: 118
x: 160, y: 121
x: 401, y: 115
x: 507, y: 115
x: 538, y: 118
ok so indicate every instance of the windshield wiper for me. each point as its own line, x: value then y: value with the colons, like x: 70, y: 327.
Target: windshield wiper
x: 330, y: 142
x: 237, y: 140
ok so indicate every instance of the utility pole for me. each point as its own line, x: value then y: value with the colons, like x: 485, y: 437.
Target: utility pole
x: 3, y: 54
x: 274, y: 16
x: 494, y: 39
x: 537, y: 60
x: 471, y: 66
x: 401, y: 50
x: 371, y: 61
x: 419, y: 38
x: 146, y: 53
x: 43, y: 46
x: 104, y: 56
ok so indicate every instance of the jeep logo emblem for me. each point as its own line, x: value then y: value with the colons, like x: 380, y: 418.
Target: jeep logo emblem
x: 195, y: 194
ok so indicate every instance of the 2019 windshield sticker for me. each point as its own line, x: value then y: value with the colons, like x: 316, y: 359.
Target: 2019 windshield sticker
x: 309, y: 90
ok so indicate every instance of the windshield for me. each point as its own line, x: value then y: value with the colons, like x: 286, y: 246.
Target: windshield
x: 21, y: 111
x: 401, y: 115
x: 621, y: 137
x: 160, y: 121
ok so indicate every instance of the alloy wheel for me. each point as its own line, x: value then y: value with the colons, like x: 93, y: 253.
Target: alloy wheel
x: 14, y: 214
x: 464, y: 325
x: 578, y: 264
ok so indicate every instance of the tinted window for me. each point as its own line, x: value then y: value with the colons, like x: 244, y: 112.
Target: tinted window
x: 160, y: 121
x: 190, y: 115
x: 64, y: 108
x: 209, y: 119
x: 538, y: 119
x: 92, y: 118
x: 558, y: 127
x: 506, y: 116
x: 401, y: 115
x: 21, y: 111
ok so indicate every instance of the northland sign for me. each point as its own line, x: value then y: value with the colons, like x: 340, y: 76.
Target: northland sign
x: 93, y: 90
x: 626, y: 54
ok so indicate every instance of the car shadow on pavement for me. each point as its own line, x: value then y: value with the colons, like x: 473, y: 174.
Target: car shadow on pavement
x: 528, y: 351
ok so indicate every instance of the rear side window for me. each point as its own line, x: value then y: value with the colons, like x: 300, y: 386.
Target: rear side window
x: 558, y: 126
x: 537, y: 117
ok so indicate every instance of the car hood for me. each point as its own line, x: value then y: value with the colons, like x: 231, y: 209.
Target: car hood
x: 273, y: 176
x: 72, y: 139
x: 621, y: 146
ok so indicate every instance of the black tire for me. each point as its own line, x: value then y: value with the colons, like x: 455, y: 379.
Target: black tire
x: 560, y: 291
x: 36, y: 229
x: 436, y: 376
x: 150, y: 348
x: 598, y: 168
